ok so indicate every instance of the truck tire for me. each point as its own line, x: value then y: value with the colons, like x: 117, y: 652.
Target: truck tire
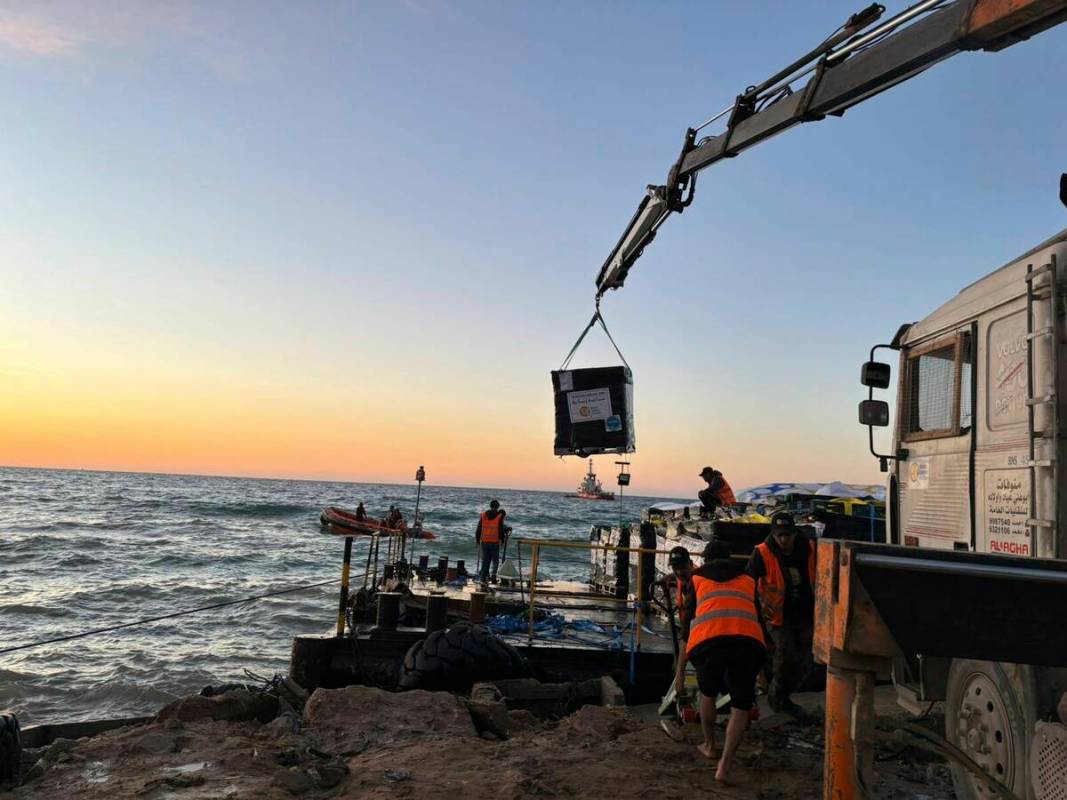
x: 10, y: 752
x: 990, y: 712
x: 455, y: 658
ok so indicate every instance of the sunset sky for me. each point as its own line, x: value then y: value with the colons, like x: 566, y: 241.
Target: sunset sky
x: 339, y: 240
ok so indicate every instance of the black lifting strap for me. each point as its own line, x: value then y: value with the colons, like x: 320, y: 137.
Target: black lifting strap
x: 597, y: 317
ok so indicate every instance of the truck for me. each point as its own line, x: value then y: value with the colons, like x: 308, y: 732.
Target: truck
x: 974, y: 467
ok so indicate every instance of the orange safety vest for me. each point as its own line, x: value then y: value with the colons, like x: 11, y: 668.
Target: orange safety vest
x: 772, y: 585
x: 724, y: 609
x: 491, y: 528
x: 726, y: 494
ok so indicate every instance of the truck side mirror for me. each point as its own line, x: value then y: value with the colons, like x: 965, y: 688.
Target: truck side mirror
x: 874, y: 413
x: 875, y: 375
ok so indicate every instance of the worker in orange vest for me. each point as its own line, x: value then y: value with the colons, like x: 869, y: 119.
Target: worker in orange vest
x: 717, y: 494
x: 487, y: 537
x: 726, y: 645
x: 784, y: 568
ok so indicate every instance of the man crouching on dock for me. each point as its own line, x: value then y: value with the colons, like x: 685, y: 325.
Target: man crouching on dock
x: 726, y: 645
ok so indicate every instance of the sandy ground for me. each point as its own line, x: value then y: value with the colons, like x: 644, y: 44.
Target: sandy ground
x: 423, y: 745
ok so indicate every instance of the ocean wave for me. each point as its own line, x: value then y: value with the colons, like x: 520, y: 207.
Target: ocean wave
x: 31, y: 610
x: 246, y: 509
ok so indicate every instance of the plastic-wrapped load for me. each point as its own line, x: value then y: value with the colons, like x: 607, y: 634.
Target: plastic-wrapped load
x: 594, y: 411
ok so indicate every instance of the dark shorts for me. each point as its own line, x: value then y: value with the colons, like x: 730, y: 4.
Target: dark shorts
x: 729, y: 665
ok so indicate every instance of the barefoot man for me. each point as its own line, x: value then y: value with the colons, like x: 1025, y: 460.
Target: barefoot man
x: 725, y: 645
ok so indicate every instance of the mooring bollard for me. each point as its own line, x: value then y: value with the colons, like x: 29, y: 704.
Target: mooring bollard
x: 461, y: 567
x: 388, y: 610
x: 436, y: 612
x: 477, y: 613
x: 442, y: 568
x: 424, y: 564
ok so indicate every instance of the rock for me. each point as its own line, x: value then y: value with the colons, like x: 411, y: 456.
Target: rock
x: 295, y: 781
x: 489, y: 736
x: 232, y: 706
x: 283, y: 725
x: 603, y: 724
x: 157, y: 743
x: 172, y: 724
x: 610, y: 693
x: 485, y: 692
x: 491, y: 717
x: 329, y: 775
x: 358, y: 718
x: 397, y: 775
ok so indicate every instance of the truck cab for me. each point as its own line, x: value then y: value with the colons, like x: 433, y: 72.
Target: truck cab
x: 974, y: 465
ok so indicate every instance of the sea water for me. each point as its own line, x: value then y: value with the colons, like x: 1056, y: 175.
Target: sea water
x: 84, y: 550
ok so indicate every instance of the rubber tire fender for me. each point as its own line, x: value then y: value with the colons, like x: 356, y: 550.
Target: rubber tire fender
x: 10, y: 752
x: 453, y: 659
x: 1016, y: 696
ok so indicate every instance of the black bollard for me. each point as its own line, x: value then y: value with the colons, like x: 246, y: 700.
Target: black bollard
x: 461, y: 568
x: 388, y: 610
x: 387, y: 572
x: 436, y: 612
x: 442, y: 568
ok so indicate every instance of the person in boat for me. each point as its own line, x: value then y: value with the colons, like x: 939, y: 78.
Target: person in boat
x: 487, y: 536
x: 726, y: 645
x: 717, y: 494
x: 784, y: 568
x: 681, y: 565
x: 361, y: 512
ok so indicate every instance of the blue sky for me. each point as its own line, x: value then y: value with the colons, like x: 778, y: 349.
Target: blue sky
x: 386, y: 219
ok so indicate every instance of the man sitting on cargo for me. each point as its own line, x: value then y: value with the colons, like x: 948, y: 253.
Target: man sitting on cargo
x: 487, y: 537
x: 725, y: 643
x: 717, y: 494
x: 784, y: 568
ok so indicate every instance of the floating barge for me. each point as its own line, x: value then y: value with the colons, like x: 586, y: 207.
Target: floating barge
x: 566, y: 630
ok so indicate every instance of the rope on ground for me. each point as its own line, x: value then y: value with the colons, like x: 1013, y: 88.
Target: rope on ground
x: 147, y: 620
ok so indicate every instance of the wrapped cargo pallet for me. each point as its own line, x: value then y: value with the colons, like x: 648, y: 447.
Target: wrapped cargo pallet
x: 594, y: 411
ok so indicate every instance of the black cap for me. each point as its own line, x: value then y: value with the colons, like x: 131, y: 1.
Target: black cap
x: 678, y: 557
x: 715, y: 550
x: 494, y: 504
x: 705, y: 471
x: 783, y: 522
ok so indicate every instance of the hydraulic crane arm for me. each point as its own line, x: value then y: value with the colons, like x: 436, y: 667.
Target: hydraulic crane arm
x: 846, y: 69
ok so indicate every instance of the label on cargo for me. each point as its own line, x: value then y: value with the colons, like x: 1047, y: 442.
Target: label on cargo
x: 1007, y: 507
x: 566, y: 381
x: 919, y: 474
x: 589, y: 405
x: 613, y: 424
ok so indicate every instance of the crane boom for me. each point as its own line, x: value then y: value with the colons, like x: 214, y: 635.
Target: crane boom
x: 846, y: 69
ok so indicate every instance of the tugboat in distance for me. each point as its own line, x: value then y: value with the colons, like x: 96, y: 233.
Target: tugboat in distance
x: 590, y: 488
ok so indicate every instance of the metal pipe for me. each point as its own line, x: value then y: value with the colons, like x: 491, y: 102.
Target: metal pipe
x: 533, y: 586
x: 388, y: 610
x: 342, y: 604
x: 436, y: 611
x: 894, y: 22
x: 974, y: 570
x: 710, y: 120
x: 477, y: 607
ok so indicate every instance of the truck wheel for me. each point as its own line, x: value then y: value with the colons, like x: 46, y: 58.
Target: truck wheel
x: 990, y: 712
x: 454, y: 659
x: 10, y: 752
